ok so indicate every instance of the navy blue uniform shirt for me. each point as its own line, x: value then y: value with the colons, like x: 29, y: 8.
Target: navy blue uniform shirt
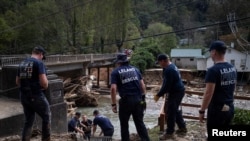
x: 103, y: 122
x: 224, y: 76
x: 28, y: 72
x: 172, y: 82
x: 127, y: 78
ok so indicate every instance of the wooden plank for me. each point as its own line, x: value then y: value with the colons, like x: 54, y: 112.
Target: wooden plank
x: 161, y: 121
x: 242, y: 97
x: 71, y: 112
x: 152, y: 86
x: 104, y: 92
x: 190, y: 105
x: 70, y: 103
x: 194, y: 92
x: 200, y: 93
x: 191, y: 117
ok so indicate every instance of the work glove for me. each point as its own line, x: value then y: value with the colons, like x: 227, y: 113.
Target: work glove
x: 143, y: 102
x: 156, y: 98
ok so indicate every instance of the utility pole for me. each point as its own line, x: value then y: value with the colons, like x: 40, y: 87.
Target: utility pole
x: 240, y: 40
x: 232, y: 24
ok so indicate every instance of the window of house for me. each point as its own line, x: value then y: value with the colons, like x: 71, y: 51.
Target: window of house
x: 191, y: 59
x: 232, y: 62
x: 242, y: 62
x: 178, y: 59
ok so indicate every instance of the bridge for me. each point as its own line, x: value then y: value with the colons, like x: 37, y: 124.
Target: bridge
x: 61, y: 63
x: 11, y: 114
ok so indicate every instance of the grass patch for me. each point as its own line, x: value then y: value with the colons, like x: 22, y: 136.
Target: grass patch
x: 154, y: 133
x: 241, y: 117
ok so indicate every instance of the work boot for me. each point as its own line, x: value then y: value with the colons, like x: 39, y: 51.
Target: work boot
x: 181, y: 131
x: 167, y: 137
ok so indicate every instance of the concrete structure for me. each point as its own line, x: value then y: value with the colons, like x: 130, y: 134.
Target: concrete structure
x: 12, y: 117
x: 11, y: 114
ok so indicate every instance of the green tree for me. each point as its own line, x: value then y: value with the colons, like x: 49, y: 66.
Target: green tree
x: 142, y: 59
x: 5, y: 37
x: 145, y: 54
x: 41, y: 25
x: 132, y: 33
x: 163, y: 35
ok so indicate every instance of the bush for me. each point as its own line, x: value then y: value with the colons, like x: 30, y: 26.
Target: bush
x: 142, y: 59
x: 145, y: 54
x: 140, y: 64
x: 241, y: 117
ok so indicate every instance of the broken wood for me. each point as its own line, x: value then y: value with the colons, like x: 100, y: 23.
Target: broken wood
x: 78, y: 93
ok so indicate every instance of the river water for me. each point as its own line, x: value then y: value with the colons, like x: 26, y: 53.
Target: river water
x: 104, y: 107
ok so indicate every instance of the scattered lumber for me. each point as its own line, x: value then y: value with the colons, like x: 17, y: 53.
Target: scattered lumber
x: 78, y: 93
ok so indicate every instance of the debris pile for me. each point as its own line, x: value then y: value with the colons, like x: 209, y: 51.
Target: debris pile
x: 78, y: 93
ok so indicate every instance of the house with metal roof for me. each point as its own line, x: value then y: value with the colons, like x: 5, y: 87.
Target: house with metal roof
x: 185, y: 58
x: 193, y: 59
x: 241, y: 60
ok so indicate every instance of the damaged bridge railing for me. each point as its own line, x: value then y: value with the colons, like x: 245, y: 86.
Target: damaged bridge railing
x: 55, y: 59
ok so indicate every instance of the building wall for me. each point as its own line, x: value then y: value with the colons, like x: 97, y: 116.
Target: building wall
x: 236, y: 58
x: 185, y: 62
x: 201, y: 64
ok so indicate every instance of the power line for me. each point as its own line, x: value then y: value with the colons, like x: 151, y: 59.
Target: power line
x: 124, y: 20
x: 178, y: 31
x: 172, y: 32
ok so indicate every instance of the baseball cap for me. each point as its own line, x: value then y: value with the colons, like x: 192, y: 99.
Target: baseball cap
x: 40, y: 49
x: 78, y: 114
x: 161, y: 57
x: 121, y: 58
x: 217, y: 45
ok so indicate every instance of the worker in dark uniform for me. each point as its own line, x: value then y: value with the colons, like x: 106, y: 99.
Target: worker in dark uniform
x: 74, y: 124
x: 104, y: 123
x: 127, y: 80
x: 32, y: 81
x: 218, y: 98
x: 173, y: 87
x: 87, y: 126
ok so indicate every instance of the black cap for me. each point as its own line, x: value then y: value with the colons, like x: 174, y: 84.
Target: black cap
x: 218, y: 45
x: 40, y: 49
x: 78, y: 114
x: 161, y: 57
x: 121, y: 58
